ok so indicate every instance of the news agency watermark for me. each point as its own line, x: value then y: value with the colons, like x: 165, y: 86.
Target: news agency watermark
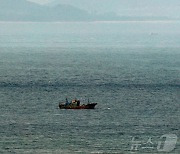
x: 166, y: 143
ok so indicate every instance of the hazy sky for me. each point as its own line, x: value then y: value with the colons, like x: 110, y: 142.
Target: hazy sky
x: 41, y: 1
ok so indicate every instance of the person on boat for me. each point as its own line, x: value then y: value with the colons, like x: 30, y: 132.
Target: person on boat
x: 67, y: 102
x: 78, y: 102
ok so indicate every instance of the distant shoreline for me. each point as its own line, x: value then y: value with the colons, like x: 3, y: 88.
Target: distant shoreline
x: 98, y: 21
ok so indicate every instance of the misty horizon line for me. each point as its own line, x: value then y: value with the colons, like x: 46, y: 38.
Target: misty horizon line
x: 97, y: 21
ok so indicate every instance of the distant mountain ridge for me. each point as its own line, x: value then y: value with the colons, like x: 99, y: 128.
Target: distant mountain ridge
x: 169, y: 8
x: 22, y: 10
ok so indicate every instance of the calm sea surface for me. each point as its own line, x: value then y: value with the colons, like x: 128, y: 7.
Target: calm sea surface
x: 131, y: 69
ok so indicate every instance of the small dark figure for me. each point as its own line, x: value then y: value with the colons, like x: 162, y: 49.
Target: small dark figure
x: 67, y: 102
x: 78, y: 103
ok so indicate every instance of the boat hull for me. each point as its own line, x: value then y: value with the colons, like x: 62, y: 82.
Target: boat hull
x: 88, y: 106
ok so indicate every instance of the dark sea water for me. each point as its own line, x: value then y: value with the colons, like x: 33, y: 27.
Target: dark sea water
x: 131, y: 69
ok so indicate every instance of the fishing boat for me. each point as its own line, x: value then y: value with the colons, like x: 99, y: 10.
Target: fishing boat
x: 75, y: 104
